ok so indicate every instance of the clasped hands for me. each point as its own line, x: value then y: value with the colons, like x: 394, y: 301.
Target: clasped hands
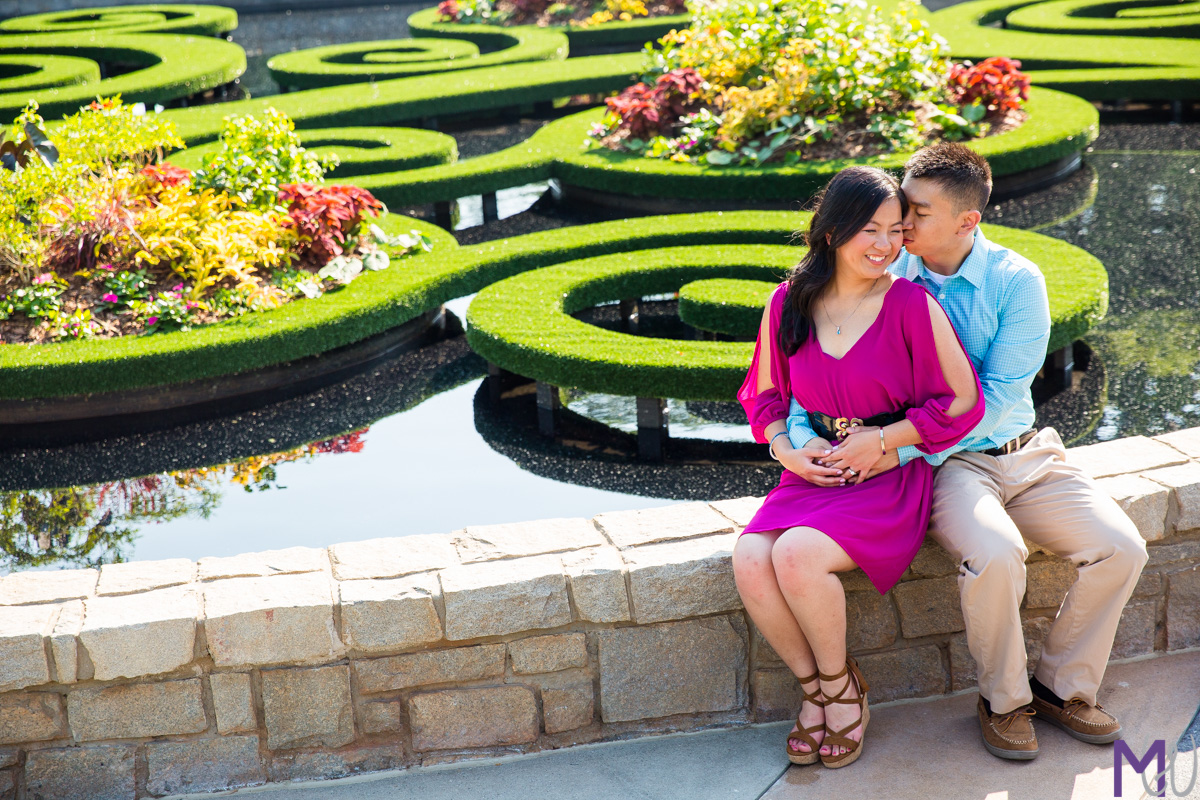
x: 853, y: 460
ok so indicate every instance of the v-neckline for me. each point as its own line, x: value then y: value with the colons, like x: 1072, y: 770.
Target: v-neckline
x: 861, y: 336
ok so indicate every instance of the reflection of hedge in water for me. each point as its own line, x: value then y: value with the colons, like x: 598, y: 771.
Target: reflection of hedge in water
x: 1039, y: 210
x: 513, y: 434
x: 397, y: 385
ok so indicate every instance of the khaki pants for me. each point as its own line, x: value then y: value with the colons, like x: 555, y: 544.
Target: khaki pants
x: 982, y: 507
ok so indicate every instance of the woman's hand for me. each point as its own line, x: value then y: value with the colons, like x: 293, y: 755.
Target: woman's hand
x: 806, y: 462
x: 857, y: 454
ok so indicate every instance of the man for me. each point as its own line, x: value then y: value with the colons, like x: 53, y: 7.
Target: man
x: 1005, y: 481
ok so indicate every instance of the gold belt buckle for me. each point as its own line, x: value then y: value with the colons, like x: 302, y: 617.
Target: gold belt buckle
x: 842, y: 426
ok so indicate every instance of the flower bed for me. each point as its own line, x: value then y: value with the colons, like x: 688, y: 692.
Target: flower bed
x: 545, y: 13
x: 750, y: 83
x: 99, y: 239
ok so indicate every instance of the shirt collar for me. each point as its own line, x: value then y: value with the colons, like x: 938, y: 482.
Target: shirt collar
x: 972, y: 269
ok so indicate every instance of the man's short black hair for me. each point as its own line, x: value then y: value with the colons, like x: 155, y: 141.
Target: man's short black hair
x: 962, y: 174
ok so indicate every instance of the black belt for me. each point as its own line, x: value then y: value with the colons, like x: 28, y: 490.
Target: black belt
x: 831, y: 428
x: 1012, y: 445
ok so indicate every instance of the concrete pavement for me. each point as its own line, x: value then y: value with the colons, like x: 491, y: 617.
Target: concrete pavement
x: 916, y: 750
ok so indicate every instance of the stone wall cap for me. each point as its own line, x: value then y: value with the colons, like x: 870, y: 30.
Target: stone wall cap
x: 392, y: 557
x: 289, y: 561
x: 1186, y: 441
x: 171, y: 603
x: 144, y: 576
x: 1124, y: 456
x: 516, y: 539
x: 239, y: 595
x: 47, y: 586
x: 739, y: 510
x: 664, y: 523
x: 498, y: 573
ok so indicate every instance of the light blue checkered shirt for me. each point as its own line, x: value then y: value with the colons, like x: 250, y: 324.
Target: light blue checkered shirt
x: 997, y: 303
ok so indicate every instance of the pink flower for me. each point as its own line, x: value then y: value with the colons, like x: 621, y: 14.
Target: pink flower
x: 151, y: 321
x: 109, y: 267
x: 177, y: 288
x: 109, y: 298
x: 45, y: 277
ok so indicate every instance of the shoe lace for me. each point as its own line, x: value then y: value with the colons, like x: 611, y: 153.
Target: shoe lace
x: 1006, y: 721
x: 1078, y: 704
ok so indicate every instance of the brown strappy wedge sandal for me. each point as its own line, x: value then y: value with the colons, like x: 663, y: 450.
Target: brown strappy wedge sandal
x: 805, y: 734
x: 838, y: 738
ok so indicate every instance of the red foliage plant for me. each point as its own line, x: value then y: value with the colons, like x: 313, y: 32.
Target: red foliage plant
x: 346, y: 443
x: 647, y: 112
x: 166, y: 175
x: 326, y: 215
x: 448, y: 11
x: 997, y: 83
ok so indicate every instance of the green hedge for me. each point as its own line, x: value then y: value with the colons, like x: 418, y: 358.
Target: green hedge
x: 635, y: 32
x: 1093, y: 67
x: 523, y: 324
x: 169, y: 67
x: 724, y: 305
x: 360, y: 62
x: 18, y: 74
x: 1096, y: 17
x: 363, y: 151
x: 201, y: 20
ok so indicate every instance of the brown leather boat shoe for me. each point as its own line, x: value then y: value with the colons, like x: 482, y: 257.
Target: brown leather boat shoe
x: 1008, y: 735
x: 1091, y: 724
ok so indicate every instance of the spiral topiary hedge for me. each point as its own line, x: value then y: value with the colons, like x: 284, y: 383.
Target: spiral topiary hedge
x: 634, y: 32
x: 359, y: 62
x: 18, y: 74
x: 1106, y: 18
x: 523, y: 324
x: 201, y: 20
x: 727, y: 306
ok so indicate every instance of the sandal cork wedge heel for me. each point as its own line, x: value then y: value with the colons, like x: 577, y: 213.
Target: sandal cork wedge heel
x: 838, y: 738
x: 805, y: 734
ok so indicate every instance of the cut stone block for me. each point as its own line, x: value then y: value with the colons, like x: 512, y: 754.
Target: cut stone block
x: 64, y: 641
x: 1172, y: 554
x: 31, y: 717
x: 649, y: 525
x: 381, y: 716
x: 929, y: 606
x: 136, y: 710
x: 204, y: 765
x: 686, y: 667
x: 763, y: 654
x: 1035, y: 630
x: 307, y: 707
x: 777, y: 694
x: 289, y: 561
x: 1183, y: 609
x: 1185, y: 481
x: 964, y: 673
x: 140, y: 634
x: 682, y: 579
x: 548, y: 653
x: 1150, y: 584
x: 95, y: 773
x: 1143, y: 500
x: 499, y: 597
x: 144, y: 576
x: 1136, y: 631
x: 455, y: 665
x: 932, y: 561
x: 1124, y: 456
x: 597, y: 580
x: 870, y: 621
x: 490, y: 542
x: 739, y: 510
x: 391, y: 558
x: 308, y: 765
x: 392, y: 614
x: 1187, y: 441
x: 233, y: 702
x: 47, y: 586
x: 484, y: 717
x: 569, y: 707
x: 9, y: 756
x: 22, y: 652
x: 1047, y: 582
x: 286, y: 619
x: 909, y: 672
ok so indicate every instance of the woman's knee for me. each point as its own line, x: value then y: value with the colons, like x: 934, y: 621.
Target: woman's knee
x: 801, y: 555
x: 752, y: 568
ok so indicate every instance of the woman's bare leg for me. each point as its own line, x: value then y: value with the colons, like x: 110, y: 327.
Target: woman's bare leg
x: 806, y: 564
x: 755, y: 575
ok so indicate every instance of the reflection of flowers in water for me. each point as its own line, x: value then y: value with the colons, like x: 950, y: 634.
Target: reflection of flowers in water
x: 86, y: 526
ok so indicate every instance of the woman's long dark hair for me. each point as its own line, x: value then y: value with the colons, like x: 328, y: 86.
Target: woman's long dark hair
x: 843, y: 208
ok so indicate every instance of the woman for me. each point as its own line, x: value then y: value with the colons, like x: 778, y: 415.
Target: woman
x: 876, y: 357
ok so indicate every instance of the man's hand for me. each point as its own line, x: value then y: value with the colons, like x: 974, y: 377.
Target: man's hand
x: 889, y: 461
x: 857, y: 454
x: 806, y: 462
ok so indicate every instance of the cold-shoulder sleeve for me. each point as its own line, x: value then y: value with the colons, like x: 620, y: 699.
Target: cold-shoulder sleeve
x: 770, y: 405
x: 933, y: 395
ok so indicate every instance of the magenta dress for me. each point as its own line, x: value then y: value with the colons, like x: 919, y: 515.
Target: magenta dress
x: 881, y: 522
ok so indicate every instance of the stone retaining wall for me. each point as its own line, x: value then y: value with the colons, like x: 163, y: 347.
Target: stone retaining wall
x: 155, y: 678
